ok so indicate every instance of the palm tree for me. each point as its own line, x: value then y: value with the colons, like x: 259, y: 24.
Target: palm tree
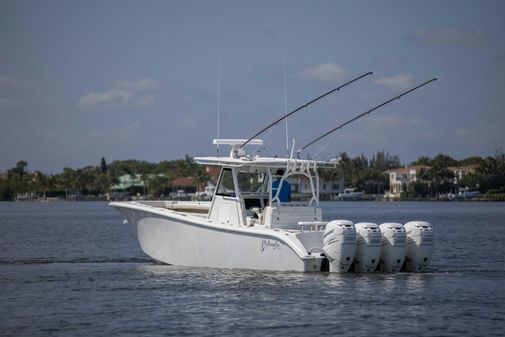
x: 201, y: 178
x: 18, y: 172
x: 144, y: 178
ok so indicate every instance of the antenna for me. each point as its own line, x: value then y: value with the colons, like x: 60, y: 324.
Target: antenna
x: 218, y: 100
x: 304, y: 106
x: 286, y: 108
x: 292, y: 148
x: 363, y: 114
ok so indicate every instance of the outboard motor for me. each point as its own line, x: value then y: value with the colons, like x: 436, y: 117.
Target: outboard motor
x: 419, y: 245
x: 368, y: 247
x: 339, y: 244
x: 394, y: 247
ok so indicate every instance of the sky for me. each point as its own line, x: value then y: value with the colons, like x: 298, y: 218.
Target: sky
x: 82, y: 80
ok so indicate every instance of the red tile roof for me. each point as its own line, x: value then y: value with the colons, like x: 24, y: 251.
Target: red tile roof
x: 183, y: 182
x: 465, y: 168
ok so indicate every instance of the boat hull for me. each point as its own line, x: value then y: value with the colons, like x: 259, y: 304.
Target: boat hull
x: 178, y: 239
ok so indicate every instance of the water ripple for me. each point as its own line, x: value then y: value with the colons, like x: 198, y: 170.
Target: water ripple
x: 75, y: 260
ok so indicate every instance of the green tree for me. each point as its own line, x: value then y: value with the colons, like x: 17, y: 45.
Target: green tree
x: 7, y: 190
x: 18, y: 173
x: 423, y: 160
x: 442, y: 160
x: 441, y: 179
x: 67, y: 180
x: 156, y: 185
x: 201, y: 177
x: 103, y: 165
x: 472, y: 161
x: 492, y: 172
x: 101, y: 183
x: 368, y: 175
x: 39, y: 182
x: 471, y: 181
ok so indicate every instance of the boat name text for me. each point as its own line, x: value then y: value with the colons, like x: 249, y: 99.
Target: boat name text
x: 269, y: 244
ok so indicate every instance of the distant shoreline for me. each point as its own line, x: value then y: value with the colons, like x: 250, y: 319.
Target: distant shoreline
x: 52, y: 200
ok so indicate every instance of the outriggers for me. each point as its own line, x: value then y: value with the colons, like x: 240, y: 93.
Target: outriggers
x: 247, y: 225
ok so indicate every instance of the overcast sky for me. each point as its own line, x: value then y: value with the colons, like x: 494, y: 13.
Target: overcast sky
x: 81, y: 80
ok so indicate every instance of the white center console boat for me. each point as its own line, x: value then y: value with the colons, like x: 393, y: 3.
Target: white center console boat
x: 252, y: 223
x: 246, y: 225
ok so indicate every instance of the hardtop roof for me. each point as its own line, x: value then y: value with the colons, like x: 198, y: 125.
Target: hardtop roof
x: 265, y: 162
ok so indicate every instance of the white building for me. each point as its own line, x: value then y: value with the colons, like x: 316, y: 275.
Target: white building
x: 400, y: 178
x: 328, y: 189
x: 461, y: 171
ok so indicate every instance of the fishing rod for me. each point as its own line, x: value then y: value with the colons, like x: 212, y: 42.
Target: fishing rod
x: 363, y: 114
x: 304, y: 106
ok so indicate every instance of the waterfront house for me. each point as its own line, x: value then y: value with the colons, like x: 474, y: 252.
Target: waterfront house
x: 400, y: 178
x: 328, y: 188
x: 182, y: 186
x: 128, y: 184
x: 461, y: 171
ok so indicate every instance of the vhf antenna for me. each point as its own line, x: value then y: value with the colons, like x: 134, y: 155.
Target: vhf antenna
x: 286, y: 109
x: 304, y: 106
x: 363, y: 114
x: 218, y: 100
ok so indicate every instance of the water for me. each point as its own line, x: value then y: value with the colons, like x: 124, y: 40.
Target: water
x: 75, y: 269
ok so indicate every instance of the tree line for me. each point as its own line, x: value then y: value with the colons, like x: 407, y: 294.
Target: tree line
x: 96, y: 180
x: 489, y: 177
x: 367, y: 174
x: 371, y: 177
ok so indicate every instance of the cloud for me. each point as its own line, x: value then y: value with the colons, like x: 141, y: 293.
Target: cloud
x: 6, y: 103
x: 398, y: 82
x: 143, y: 84
x: 324, y: 72
x: 138, y: 92
x: 321, y: 72
x: 146, y: 99
x: 16, y: 82
x: 111, y: 97
x: 451, y: 36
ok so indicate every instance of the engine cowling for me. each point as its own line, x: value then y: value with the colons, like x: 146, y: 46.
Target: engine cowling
x: 393, y: 247
x: 368, y: 247
x: 339, y: 244
x: 419, y: 245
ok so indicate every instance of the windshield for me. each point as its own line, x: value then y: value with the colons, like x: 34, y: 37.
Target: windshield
x: 251, y: 182
x: 225, y: 187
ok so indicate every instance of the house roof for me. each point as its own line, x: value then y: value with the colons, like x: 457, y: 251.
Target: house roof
x: 184, y: 182
x: 263, y: 162
x: 464, y: 168
x: 127, y: 181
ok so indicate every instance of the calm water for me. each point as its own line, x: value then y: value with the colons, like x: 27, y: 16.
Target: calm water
x: 75, y: 269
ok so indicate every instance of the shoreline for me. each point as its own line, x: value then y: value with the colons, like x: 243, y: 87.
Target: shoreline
x: 51, y: 200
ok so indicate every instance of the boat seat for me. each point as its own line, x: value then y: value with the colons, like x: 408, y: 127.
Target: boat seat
x: 288, y: 216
